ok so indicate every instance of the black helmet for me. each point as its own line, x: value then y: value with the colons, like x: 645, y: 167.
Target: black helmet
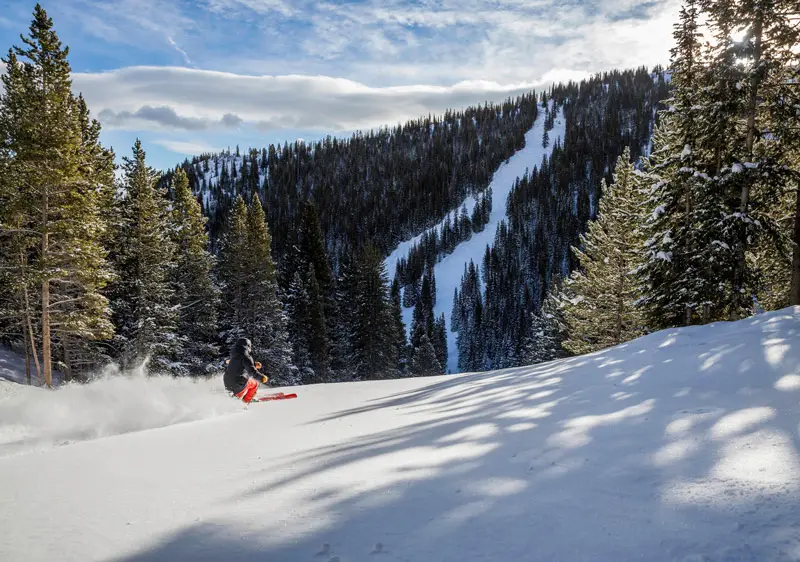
x: 243, y: 344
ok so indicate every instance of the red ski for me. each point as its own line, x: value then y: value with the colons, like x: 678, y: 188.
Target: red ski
x: 277, y: 396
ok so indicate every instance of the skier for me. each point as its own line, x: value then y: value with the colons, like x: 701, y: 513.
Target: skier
x: 242, y: 373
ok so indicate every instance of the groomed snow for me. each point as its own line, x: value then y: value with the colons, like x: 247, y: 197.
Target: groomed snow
x: 681, y: 446
x: 449, y: 270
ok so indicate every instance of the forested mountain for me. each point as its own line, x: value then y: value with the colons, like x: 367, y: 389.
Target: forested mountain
x: 286, y: 244
x: 383, y: 186
x: 708, y: 227
x: 548, y: 210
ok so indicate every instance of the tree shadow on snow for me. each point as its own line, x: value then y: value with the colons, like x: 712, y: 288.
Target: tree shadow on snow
x: 678, y: 446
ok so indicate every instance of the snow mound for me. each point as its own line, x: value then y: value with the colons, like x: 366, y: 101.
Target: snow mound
x: 113, y: 404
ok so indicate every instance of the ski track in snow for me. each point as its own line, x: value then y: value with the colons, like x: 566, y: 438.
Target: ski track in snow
x: 681, y: 446
x: 449, y: 270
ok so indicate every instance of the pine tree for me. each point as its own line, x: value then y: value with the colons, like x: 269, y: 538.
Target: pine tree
x: 425, y: 363
x: 423, y: 320
x: 142, y: 296
x: 604, y: 312
x: 298, y: 311
x: 56, y: 176
x: 343, y: 352
x: 234, y: 270
x: 318, y: 345
x: 679, y: 278
x: 196, y: 295
x: 547, y: 330
x: 400, y: 328
x: 312, y: 257
x: 264, y: 320
x: 375, y: 330
x: 747, y: 85
x: 439, y: 337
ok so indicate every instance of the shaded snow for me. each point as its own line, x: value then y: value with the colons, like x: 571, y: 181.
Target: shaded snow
x: 12, y: 369
x: 449, y: 270
x: 680, y: 446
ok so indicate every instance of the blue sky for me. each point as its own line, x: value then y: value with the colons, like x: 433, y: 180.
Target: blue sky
x: 187, y: 76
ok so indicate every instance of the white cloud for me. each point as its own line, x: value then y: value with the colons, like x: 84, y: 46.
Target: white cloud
x: 485, y: 35
x: 259, y: 6
x: 186, y: 147
x: 168, y: 98
x: 175, y: 46
x: 365, y: 63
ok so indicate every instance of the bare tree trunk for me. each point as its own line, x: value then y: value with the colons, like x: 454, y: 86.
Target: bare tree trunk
x: 27, y: 355
x: 65, y: 344
x: 752, y: 106
x: 795, y: 289
x: 687, y: 321
x: 46, y: 351
x: 31, y: 339
x: 620, y: 306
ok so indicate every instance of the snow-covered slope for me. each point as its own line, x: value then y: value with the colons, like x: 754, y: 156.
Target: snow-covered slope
x: 681, y: 446
x: 449, y: 270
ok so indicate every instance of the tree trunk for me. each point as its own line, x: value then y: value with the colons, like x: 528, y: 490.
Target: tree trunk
x: 65, y: 345
x: 27, y: 355
x: 752, y: 106
x: 31, y: 339
x: 620, y: 305
x: 46, y: 351
x: 795, y: 290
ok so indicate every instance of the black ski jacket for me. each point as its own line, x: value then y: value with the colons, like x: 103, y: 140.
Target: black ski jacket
x: 241, y: 366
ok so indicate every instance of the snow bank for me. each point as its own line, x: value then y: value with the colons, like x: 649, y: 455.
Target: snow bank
x: 113, y: 404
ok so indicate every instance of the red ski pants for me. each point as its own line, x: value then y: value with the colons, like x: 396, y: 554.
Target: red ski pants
x: 249, y: 391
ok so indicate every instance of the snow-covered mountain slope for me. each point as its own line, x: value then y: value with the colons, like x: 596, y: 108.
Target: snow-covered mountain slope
x: 449, y: 270
x: 681, y: 446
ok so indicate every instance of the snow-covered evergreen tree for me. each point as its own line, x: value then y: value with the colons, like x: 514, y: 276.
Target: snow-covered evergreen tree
x: 425, y: 362
x: 56, y: 177
x: 440, y: 341
x: 252, y: 307
x: 681, y: 269
x: 547, y: 331
x: 298, y: 312
x: 317, y: 329
x: 196, y: 295
x: 264, y: 320
x: 604, y: 311
x: 399, y: 326
x: 144, y: 259
x: 375, y: 330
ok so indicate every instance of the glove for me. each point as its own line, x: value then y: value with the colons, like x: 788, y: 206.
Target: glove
x: 264, y: 379
x: 258, y: 365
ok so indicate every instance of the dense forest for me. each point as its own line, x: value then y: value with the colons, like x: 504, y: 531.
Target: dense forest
x: 661, y: 206
x: 707, y: 227
x: 548, y: 210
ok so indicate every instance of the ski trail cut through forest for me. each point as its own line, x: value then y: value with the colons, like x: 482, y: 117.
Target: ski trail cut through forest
x: 448, y: 270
